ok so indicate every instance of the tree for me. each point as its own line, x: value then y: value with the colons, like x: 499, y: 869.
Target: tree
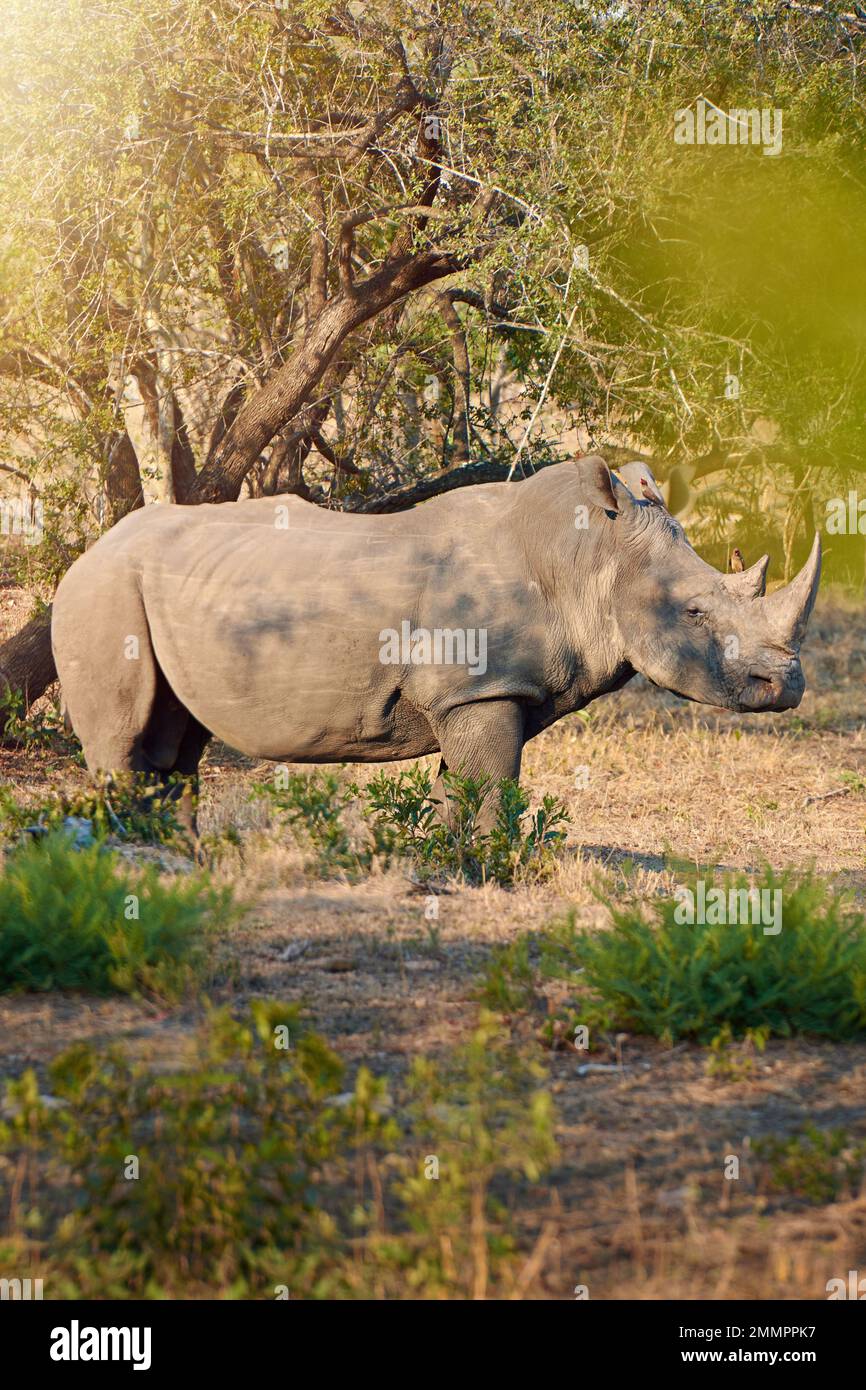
x: 294, y: 246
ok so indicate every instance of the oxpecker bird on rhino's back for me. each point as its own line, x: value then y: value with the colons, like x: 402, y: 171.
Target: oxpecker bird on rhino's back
x: 466, y: 625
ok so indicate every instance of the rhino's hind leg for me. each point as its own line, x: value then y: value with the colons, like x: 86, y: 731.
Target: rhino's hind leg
x: 169, y: 778
x: 109, y: 675
x: 182, y: 780
x: 173, y: 743
x: 135, y: 733
x: 481, y: 740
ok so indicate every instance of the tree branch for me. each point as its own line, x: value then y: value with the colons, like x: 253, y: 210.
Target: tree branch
x: 288, y: 388
x: 402, y: 498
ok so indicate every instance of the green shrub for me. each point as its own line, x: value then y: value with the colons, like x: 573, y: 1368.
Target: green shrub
x: 78, y: 919
x: 190, y: 1178
x: 131, y: 808
x: 403, y: 822
x: 515, y: 974
x: 819, y: 1165
x: 674, y: 980
x: 509, y: 977
x: 481, y: 1117
x: 43, y: 729
x: 312, y: 804
x: 735, y: 1061
x: 404, y: 815
x: 251, y: 1170
x: 655, y: 975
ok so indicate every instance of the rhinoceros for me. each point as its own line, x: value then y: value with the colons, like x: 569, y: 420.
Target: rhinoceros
x: 465, y: 626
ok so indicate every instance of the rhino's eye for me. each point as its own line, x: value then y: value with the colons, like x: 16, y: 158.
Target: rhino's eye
x: 696, y: 612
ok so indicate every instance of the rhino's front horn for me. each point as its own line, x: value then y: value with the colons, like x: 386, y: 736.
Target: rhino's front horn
x: 750, y: 583
x: 789, y: 608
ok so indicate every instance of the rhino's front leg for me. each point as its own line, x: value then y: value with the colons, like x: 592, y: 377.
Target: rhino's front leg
x: 484, y: 739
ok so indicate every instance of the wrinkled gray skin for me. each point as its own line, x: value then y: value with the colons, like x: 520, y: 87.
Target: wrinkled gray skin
x: 269, y: 634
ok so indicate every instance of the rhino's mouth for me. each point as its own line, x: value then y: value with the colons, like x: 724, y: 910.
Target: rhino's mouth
x: 771, y: 692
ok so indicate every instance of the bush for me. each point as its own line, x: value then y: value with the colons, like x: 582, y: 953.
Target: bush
x: 510, y: 977
x: 713, y: 983
x: 479, y: 1119
x: 312, y: 804
x: 515, y: 974
x: 43, y: 729
x: 673, y: 980
x: 189, y: 1178
x: 818, y: 1165
x: 403, y: 822
x: 404, y: 816
x: 132, y: 808
x: 76, y: 919
x: 735, y: 1061
x: 253, y: 1171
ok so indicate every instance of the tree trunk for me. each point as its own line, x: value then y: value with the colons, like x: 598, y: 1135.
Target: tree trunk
x: 460, y: 448
x: 166, y: 442
x: 26, y: 661
x: 122, y: 482
x: 182, y: 458
x: 290, y: 386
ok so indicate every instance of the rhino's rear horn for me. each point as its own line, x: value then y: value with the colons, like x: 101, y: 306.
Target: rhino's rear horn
x: 789, y: 608
x: 750, y: 583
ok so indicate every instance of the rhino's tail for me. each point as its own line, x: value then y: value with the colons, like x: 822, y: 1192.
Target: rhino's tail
x: 64, y: 712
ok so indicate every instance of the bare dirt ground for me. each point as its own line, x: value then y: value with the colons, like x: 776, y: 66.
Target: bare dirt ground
x: 637, y: 1205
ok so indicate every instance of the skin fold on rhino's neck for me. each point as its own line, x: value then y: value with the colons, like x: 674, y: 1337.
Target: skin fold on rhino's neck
x: 574, y: 572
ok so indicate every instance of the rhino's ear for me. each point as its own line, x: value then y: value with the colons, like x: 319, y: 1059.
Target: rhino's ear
x: 596, y: 483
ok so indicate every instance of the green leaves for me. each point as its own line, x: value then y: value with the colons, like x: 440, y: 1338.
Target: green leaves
x: 79, y: 919
x: 408, y: 818
x: 672, y: 979
x: 819, y: 1165
x: 149, y: 194
x: 405, y: 820
x: 729, y: 984
x: 313, y: 805
x: 134, y: 806
x: 247, y: 1168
